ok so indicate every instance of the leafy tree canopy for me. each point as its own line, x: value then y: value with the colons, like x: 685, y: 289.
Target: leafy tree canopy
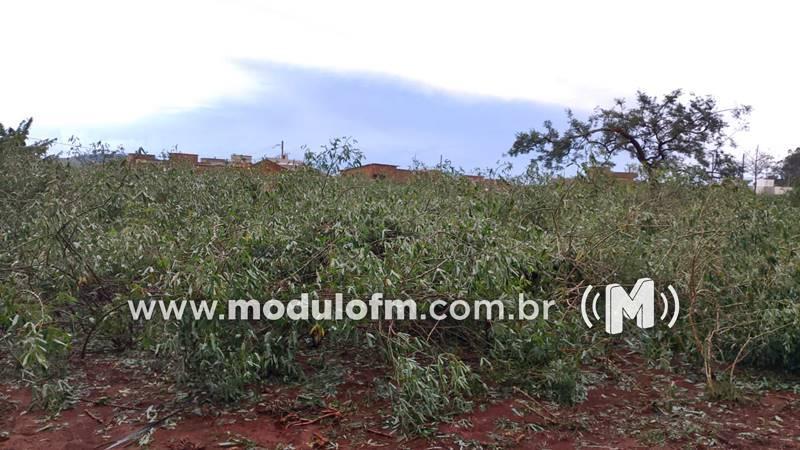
x: 338, y: 154
x: 790, y: 168
x: 656, y: 132
x: 16, y: 139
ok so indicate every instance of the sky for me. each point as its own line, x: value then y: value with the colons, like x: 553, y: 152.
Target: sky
x: 409, y: 80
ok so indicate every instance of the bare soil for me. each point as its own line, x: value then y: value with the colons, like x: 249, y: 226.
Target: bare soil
x: 628, y: 405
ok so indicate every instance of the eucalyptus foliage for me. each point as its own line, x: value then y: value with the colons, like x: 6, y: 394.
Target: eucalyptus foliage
x: 78, y: 242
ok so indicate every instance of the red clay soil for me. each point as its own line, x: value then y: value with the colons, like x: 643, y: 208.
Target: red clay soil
x: 627, y: 407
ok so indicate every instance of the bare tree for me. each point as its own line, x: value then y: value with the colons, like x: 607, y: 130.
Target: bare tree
x: 759, y: 164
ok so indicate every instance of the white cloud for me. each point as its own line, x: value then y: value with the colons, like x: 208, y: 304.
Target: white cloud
x: 99, y: 62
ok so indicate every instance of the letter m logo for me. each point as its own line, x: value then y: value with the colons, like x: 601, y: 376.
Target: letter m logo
x: 639, y: 304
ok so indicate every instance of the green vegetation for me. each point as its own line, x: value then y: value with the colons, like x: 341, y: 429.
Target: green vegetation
x: 683, y: 135
x: 78, y: 242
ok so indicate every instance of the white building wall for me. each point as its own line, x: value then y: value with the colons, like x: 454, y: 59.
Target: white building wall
x: 767, y: 187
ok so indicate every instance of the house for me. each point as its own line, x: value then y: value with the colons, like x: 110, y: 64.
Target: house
x: 137, y: 158
x: 183, y: 158
x: 624, y: 177
x: 212, y: 162
x: 287, y: 163
x: 767, y: 187
x: 241, y: 160
x: 378, y: 171
x: 237, y: 161
x: 266, y: 166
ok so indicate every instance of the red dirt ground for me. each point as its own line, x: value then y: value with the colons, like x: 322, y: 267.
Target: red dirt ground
x: 627, y: 407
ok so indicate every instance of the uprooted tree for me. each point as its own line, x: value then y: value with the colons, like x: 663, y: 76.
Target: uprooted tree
x: 668, y: 132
